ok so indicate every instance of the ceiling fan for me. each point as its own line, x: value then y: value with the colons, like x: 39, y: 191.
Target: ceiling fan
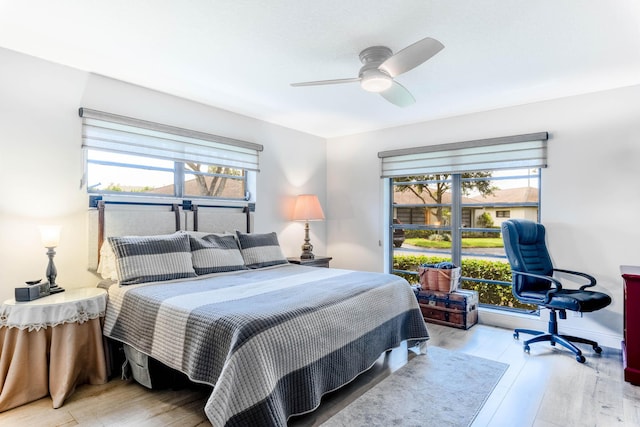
x: 381, y: 66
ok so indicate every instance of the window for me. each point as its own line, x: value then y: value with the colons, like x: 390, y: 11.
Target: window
x: 477, y: 247
x: 130, y: 156
x: 120, y: 173
x: 449, y: 214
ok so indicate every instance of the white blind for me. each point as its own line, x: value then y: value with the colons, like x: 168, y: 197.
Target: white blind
x: 120, y: 134
x: 510, y: 152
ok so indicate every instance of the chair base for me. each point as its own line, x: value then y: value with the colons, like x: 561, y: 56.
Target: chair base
x: 553, y: 337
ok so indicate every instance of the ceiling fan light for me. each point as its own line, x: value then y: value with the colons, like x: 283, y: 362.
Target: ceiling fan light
x: 376, y: 83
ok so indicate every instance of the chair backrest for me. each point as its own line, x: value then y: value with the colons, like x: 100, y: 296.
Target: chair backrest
x: 524, y: 244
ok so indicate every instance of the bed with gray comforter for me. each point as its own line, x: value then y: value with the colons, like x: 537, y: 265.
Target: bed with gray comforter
x: 270, y: 341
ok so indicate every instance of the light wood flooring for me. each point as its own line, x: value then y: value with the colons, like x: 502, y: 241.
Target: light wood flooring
x: 546, y: 388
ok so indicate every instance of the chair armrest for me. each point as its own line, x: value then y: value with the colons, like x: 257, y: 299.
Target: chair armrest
x: 556, y: 282
x: 592, y: 280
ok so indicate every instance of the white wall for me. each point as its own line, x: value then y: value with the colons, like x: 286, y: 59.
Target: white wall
x: 589, y: 198
x: 41, y: 163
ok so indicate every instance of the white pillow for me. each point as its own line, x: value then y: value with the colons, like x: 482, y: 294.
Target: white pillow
x: 201, y: 234
x: 107, y: 266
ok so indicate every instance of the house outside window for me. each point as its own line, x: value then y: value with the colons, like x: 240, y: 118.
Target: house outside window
x: 503, y: 214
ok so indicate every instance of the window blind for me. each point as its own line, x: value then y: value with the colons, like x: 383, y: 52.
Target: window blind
x: 120, y: 134
x: 510, y: 152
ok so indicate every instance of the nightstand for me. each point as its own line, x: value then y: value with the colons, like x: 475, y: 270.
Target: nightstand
x: 319, y: 261
x: 51, y: 345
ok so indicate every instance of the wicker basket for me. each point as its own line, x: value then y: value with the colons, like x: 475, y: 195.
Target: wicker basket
x: 439, y: 279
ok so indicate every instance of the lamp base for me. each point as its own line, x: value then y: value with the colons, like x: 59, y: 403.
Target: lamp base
x: 307, y: 247
x: 307, y: 255
x: 55, y: 289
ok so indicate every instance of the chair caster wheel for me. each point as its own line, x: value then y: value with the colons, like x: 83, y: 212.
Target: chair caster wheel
x: 597, y: 349
x: 516, y: 335
x: 526, y: 349
x: 580, y: 358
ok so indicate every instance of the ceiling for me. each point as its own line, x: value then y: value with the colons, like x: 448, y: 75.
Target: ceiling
x: 241, y: 55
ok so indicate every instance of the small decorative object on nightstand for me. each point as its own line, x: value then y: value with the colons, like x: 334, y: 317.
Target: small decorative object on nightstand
x: 318, y: 261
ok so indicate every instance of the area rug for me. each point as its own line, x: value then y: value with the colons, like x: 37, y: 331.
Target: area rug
x: 441, y: 388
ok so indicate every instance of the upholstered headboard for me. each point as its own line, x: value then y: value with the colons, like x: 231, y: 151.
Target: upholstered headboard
x: 111, y: 218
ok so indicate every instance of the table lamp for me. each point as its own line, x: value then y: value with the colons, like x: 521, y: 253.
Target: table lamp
x: 307, y: 208
x: 50, y: 235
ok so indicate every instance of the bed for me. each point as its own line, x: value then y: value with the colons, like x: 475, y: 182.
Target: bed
x: 269, y: 337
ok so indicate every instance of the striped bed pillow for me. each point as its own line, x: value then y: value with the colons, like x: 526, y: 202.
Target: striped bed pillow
x: 261, y: 250
x: 141, y: 259
x: 215, y: 253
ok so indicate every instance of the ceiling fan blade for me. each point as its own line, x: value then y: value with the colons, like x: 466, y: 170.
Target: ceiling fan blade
x: 326, y: 82
x: 411, y: 56
x: 398, y: 95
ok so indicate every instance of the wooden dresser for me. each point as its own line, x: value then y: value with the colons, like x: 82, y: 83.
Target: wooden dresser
x: 631, y: 343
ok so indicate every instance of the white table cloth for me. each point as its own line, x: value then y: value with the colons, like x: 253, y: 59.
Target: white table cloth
x: 71, y: 306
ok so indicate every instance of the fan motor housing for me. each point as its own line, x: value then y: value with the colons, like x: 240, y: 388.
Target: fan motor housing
x: 372, y: 78
x: 375, y: 55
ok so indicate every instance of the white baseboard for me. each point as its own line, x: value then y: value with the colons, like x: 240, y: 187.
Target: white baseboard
x: 511, y: 320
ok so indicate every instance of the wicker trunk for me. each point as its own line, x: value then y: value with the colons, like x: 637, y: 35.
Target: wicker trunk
x: 458, y: 309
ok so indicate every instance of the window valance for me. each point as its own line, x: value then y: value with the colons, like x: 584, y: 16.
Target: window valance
x: 510, y: 152
x: 120, y: 134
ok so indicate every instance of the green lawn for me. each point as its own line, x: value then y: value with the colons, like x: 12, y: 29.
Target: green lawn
x: 487, y: 242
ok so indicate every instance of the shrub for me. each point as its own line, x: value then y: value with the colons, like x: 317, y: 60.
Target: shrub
x: 418, y: 234
x: 478, y: 234
x: 488, y: 293
x: 485, y: 220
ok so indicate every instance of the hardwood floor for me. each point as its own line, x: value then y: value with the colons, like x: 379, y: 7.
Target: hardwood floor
x: 547, y: 388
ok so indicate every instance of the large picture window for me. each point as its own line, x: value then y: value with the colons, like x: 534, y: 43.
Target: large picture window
x: 425, y: 209
x: 444, y: 213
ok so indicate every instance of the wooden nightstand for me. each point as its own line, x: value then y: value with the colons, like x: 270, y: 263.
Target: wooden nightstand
x: 318, y: 261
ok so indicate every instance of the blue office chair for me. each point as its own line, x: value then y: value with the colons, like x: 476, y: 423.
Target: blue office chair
x: 532, y: 270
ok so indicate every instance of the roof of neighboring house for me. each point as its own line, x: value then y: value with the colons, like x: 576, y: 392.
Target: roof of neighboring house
x: 510, y: 195
x: 232, y: 189
x: 507, y: 195
x: 408, y: 197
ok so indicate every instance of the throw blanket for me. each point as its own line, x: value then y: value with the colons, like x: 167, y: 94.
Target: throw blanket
x: 270, y: 341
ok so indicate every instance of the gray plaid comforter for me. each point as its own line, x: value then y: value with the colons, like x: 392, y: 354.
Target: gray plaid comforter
x: 270, y: 341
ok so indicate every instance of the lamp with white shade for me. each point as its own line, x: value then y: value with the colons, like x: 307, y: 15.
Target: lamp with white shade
x: 307, y: 208
x: 50, y: 235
